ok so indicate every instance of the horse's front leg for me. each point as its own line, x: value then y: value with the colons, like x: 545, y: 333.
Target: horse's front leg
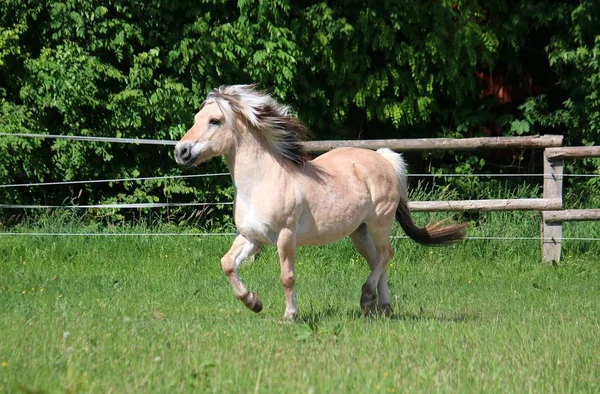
x: 240, y: 250
x: 286, y: 247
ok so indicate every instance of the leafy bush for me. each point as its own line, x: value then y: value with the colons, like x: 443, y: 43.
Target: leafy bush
x: 387, y: 69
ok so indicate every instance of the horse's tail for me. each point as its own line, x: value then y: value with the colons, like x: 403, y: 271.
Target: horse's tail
x: 432, y: 234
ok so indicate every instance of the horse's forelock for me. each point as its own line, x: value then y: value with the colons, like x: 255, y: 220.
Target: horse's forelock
x: 280, y: 129
x: 224, y: 105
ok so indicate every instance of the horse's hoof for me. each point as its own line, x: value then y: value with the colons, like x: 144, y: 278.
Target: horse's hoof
x: 290, y: 317
x: 257, y: 307
x: 368, y: 311
x: 253, y: 302
x: 385, y: 310
x: 368, y: 301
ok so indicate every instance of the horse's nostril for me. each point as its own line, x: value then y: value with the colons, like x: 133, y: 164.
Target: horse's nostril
x: 184, y: 153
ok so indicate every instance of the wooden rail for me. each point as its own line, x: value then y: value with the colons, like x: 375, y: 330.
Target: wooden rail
x: 552, y: 221
x: 573, y: 215
x: 573, y: 152
x: 522, y: 204
x: 425, y: 144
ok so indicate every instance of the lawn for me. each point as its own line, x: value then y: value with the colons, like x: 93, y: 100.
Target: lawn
x: 155, y: 314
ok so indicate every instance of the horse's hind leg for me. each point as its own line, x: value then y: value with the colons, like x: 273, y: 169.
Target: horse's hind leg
x: 377, y: 257
x: 364, y: 245
x: 240, y: 250
x: 385, y: 252
x: 384, y: 293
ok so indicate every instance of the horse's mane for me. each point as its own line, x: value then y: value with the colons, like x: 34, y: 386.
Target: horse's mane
x: 280, y: 129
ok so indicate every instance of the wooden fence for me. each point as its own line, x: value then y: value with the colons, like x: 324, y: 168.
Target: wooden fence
x: 550, y: 205
x: 552, y: 221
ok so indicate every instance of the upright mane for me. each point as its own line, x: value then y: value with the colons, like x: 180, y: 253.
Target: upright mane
x: 280, y: 129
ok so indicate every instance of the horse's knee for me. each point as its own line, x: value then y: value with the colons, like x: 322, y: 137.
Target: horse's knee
x: 227, y: 265
x: 287, y: 280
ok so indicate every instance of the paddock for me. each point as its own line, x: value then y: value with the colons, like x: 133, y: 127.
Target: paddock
x: 147, y: 308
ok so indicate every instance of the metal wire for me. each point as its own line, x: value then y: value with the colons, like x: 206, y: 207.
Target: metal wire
x: 473, y: 238
x: 116, y: 234
x: 559, y: 178
x: 552, y: 239
x: 113, y: 180
x: 116, y: 206
x: 137, y: 141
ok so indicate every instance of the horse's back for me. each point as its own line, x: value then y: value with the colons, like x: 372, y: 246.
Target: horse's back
x: 367, y: 167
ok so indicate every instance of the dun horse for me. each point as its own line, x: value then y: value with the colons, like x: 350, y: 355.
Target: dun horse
x: 284, y: 199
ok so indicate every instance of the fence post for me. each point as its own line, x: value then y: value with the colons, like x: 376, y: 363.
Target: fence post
x: 551, y: 232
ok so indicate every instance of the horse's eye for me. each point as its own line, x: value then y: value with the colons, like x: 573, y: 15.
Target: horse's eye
x: 214, y: 121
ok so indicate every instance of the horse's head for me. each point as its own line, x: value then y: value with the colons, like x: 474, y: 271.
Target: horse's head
x: 232, y: 113
x: 211, y: 135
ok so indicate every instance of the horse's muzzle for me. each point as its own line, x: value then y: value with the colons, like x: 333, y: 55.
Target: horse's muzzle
x: 186, y: 152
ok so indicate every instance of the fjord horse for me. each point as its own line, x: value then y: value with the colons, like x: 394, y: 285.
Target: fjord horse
x: 284, y: 199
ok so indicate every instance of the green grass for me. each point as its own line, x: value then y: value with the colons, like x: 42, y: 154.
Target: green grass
x: 135, y: 314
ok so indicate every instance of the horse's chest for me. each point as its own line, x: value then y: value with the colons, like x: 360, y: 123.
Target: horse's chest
x: 256, y: 226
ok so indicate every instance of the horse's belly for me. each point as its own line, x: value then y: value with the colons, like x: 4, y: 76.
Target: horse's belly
x: 311, y: 232
x: 311, y: 239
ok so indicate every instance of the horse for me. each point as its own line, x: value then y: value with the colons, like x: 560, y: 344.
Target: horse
x: 284, y: 199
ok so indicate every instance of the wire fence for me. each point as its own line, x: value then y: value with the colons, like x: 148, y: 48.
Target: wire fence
x: 117, y: 206
x: 115, y: 140
x: 115, y: 180
x: 138, y: 141
x: 55, y: 234
x: 191, y: 204
x: 154, y: 178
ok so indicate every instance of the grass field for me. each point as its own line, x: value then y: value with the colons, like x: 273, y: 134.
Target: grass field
x: 155, y: 314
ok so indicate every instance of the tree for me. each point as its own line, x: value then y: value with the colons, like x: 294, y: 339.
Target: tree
x: 393, y: 69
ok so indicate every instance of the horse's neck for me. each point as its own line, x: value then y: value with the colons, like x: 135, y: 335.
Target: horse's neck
x: 253, y: 166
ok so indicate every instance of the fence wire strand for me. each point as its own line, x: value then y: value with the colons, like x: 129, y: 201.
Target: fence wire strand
x: 116, y: 206
x: 471, y: 238
x: 115, y: 180
x: 151, y: 178
x: 136, y: 141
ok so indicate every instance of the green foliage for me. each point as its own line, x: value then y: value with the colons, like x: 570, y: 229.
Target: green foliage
x: 573, y: 109
x: 573, y: 55
x: 391, y: 63
x: 387, y: 69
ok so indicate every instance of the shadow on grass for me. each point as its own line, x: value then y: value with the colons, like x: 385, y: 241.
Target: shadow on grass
x: 451, y: 317
x: 317, y: 315
x: 460, y: 316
